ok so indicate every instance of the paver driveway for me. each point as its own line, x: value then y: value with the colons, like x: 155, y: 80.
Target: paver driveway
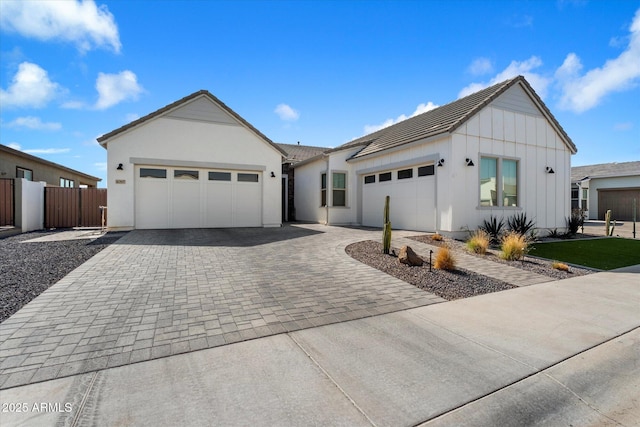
x: 157, y: 293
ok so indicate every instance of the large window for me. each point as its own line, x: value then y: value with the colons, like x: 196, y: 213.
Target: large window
x: 24, y: 173
x: 498, y: 182
x: 339, y: 193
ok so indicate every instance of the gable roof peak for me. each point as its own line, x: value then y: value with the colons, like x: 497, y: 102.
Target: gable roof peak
x: 167, y: 108
x: 446, y: 119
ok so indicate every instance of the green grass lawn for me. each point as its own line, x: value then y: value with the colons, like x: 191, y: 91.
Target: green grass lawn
x: 604, y: 254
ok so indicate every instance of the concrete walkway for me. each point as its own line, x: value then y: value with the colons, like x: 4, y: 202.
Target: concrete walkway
x: 557, y: 353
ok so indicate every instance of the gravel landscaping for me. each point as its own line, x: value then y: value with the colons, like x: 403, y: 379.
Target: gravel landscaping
x: 449, y: 285
x: 29, y: 268
x: 535, y: 265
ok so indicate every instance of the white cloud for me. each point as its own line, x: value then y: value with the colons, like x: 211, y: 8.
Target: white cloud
x: 82, y: 23
x: 624, y: 126
x: 539, y: 83
x: 583, y: 92
x: 15, y: 146
x: 131, y: 117
x: 115, y: 88
x: 286, y: 113
x: 421, y: 108
x: 73, y: 105
x: 34, y: 123
x: 30, y: 87
x: 47, y: 150
x: 480, y: 66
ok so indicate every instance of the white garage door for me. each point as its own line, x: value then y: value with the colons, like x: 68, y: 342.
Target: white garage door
x: 412, y: 198
x: 183, y: 197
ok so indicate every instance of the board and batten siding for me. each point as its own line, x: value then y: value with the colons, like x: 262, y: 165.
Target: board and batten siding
x: 204, y: 110
x: 533, y: 142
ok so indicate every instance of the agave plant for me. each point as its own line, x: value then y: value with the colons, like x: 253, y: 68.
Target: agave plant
x: 493, y: 228
x: 520, y: 224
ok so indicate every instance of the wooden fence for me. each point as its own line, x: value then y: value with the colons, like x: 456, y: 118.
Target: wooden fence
x: 7, y: 200
x: 74, y: 207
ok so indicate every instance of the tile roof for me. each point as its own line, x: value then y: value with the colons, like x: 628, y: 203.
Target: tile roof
x: 297, y: 153
x: 47, y: 162
x: 102, y: 139
x: 446, y: 119
x: 603, y: 170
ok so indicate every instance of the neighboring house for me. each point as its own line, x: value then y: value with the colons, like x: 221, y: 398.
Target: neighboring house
x: 614, y: 186
x: 497, y: 152
x: 192, y: 164
x: 16, y: 164
x: 295, y: 154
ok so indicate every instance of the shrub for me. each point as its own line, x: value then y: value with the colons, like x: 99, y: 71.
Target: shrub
x: 444, y: 259
x: 575, y: 221
x: 559, y: 266
x: 520, y: 224
x: 493, y: 228
x: 437, y: 237
x: 478, y: 242
x: 514, y: 246
x: 555, y: 234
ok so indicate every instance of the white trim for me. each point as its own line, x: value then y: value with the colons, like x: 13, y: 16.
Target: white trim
x: 194, y: 164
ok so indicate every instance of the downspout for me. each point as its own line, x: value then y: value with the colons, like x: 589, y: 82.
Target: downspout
x: 326, y: 156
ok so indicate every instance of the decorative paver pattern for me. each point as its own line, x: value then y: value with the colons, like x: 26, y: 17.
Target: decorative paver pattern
x: 157, y: 293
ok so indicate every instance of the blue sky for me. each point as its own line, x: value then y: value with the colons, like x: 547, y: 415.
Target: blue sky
x: 318, y: 72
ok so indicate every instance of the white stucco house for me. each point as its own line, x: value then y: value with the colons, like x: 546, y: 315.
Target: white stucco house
x: 598, y: 188
x: 496, y: 152
x: 192, y: 164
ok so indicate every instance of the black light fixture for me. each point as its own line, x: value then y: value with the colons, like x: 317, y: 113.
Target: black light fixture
x: 273, y: 175
x: 120, y: 167
x: 440, y: 162
x: 550, y: 169
x: 469, y: 162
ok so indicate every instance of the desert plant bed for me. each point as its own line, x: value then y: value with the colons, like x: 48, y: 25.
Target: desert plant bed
x: 533, y: 264
x: 29, y: 268
x: 449, y: 285
x: 603, y: 254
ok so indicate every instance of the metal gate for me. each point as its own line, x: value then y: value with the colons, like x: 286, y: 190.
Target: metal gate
x: 7, y: 202
x: 74, y: 207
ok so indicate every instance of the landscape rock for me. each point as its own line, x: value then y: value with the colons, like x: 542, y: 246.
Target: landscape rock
x: 409, y: 257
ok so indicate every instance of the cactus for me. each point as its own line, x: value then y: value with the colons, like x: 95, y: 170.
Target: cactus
x: 386, y: 230
x: 613, y: 227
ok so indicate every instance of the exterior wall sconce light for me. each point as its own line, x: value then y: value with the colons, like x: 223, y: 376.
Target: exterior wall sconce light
x: 440, y: 162
x: 549, y: 169
x: 469, y: 162
x: 119, y: 167
x: 273, y: 175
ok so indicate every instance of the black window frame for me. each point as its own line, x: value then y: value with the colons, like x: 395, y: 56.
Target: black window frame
x: 149, y: 174
x: 219, y: 176
x: 427, y: 170
x: 370, y: 179
x: 404, y: 173
x: 385, y: 176
x: 243, y: 177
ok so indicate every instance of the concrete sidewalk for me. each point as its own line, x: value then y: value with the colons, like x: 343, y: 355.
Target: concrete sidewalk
x: 557, y: 353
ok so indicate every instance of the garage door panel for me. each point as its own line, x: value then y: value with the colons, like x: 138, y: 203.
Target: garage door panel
x: 219, y: 205
x: 152, y: 202
x: 167, y: 197
x: 248, y: 204
x: 186, y: 210
x: 412, y: 203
